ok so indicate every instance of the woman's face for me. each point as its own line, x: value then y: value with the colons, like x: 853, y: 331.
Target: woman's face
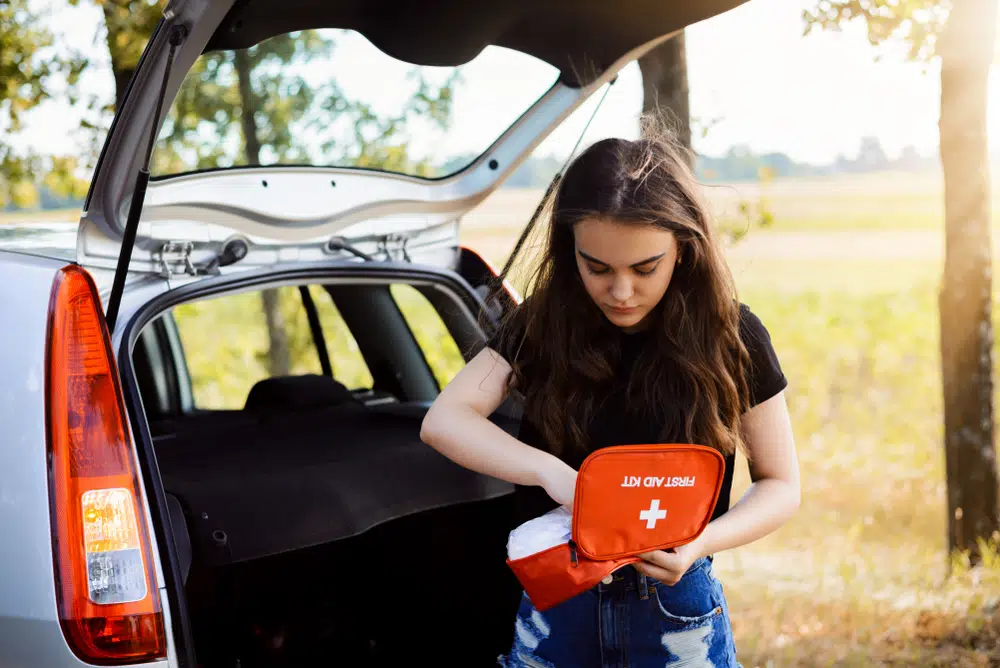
x: 626, y: 268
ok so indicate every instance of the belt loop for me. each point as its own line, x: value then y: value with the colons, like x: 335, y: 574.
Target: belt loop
x: 643, y: 586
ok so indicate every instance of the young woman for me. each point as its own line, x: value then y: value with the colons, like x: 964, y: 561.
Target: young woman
x: 632, y: 333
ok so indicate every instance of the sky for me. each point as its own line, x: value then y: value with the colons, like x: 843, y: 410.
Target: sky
x: 750, y: 70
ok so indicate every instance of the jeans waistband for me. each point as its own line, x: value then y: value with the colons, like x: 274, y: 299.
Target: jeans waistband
x: 627, y: 578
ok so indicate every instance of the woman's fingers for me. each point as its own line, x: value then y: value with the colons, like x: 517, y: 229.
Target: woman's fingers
x: 660, y: 565
x: 663, y: 575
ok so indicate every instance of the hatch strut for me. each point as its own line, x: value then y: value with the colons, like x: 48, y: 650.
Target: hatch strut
x: 498, y: 281
x: 177, y: 35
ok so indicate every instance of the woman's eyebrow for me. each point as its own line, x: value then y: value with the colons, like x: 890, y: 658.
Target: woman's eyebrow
x: 605, y: 264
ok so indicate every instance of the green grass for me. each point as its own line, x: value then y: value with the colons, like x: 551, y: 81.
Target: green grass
x: 859, y: 202
x: 55, y: 215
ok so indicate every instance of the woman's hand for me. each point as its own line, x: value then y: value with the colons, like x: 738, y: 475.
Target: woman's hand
x: 558, y: 479
x: 670, y: 566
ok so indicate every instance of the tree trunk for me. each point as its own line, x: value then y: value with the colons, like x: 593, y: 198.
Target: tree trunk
x: 665, y: 86
x: 248, y: 105
x: 966, y: 50
x: 279, y: 353
x: 121, y: 72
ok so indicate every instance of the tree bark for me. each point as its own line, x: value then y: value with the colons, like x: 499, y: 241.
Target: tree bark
x: 128, y: 25
x: 665, y: 86
x: 279, y: 352
x: 121, y: 72
x: 248, y: 105
x: 966, y: 296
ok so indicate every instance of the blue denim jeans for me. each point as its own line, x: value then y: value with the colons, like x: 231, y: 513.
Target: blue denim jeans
x: 632, y: 622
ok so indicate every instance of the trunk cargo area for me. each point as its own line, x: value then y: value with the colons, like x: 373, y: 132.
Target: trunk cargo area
x: 313, y: 527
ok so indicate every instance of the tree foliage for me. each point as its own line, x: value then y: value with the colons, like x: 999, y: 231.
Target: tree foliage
x: 30, y: 73
x: 294, y: 122
x: 291, y: 120
x: 917, y: 23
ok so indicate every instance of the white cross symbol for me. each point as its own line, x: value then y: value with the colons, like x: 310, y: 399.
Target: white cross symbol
x: 654, y: 513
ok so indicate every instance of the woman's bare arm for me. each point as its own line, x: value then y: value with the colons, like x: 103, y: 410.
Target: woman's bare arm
x: 774, y: 495
x: 458, y: 426
x: 769, y: 502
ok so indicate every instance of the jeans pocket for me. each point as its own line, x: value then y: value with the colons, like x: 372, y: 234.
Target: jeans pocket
x: 693, y: 601
x: 682, y: 622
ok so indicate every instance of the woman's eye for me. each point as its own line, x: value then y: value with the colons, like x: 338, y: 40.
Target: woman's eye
x: 597, y: 271
x: 646, y: 272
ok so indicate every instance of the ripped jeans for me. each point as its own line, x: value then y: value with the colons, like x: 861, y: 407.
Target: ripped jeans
x: 631, y: 622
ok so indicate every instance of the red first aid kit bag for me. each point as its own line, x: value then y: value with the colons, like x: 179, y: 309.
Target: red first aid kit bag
x: 630, y: 499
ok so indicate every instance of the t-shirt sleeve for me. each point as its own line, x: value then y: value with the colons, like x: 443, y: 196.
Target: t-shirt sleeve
x: 498, y: 341
x: 504, y: 337
x: 764, y: 375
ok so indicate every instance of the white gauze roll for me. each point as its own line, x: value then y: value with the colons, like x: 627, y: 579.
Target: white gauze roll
x: 551, y: 529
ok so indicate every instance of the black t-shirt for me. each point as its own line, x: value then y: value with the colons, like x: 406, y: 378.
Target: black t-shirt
x: 613, y: 424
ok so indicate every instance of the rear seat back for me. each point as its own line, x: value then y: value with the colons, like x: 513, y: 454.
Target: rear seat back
x: 292, y: 393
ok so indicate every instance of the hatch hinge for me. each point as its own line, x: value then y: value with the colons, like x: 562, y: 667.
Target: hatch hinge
x: 394, y: 242
x: 174, y: 257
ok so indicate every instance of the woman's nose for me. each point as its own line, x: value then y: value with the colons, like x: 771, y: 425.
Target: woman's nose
x: 621, y: 288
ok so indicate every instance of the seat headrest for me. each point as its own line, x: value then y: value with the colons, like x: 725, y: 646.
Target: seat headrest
x: 297, y: 393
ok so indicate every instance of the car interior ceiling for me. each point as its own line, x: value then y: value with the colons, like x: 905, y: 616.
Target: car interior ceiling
x: 310, y: 519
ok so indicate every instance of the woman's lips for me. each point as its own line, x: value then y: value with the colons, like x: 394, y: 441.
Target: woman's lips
x: 623, y: 310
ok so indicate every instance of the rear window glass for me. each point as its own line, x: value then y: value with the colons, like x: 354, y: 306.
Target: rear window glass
x: 439, y: 348
x: 348, y: 363
x: 235, y: 341
x: 331, y: 98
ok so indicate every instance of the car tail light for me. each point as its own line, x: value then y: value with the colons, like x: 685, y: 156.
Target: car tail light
x: 108, y: 605
x: 508, y: 286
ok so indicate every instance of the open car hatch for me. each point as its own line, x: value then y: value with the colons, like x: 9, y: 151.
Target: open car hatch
x: 200, y: 221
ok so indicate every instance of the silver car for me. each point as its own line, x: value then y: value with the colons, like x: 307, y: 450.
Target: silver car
x: 168, y: 497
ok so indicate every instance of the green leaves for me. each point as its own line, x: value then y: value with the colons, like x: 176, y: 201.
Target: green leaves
x: 24, y: 70
x: 129, y: 25
x: 29, y: 73
x: 917, y: 23
x: 261, y: 106
x: 282, y: 114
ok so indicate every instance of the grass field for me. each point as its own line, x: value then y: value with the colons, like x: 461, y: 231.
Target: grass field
x: 845, y: 279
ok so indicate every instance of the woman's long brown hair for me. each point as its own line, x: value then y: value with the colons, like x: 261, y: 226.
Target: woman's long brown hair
x: 565, y: 349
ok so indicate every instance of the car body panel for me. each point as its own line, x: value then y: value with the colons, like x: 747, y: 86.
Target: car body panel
x: 30, y: 632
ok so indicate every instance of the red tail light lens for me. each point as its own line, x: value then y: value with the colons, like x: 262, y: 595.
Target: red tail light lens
x: 508, y: 286
x: 108, y: 602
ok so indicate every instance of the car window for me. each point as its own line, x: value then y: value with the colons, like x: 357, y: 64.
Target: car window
x: 439, y: 348
x: 330, y: 97
x: 232, y: 342
x: 348, y: 363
